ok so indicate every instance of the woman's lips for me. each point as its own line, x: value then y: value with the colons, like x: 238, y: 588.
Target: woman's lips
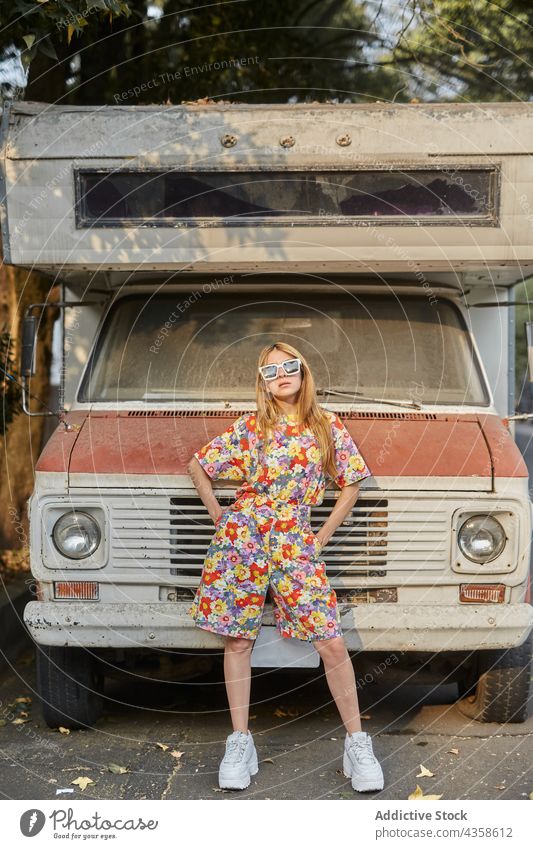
x: 285, y: 383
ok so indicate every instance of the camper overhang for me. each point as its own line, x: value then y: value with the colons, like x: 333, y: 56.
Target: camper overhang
x: 333, y: 189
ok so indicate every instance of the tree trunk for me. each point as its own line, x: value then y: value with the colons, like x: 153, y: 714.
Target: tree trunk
x: 21, y: 444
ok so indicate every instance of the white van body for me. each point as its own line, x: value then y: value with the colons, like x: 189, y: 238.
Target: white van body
x: 384, y: 227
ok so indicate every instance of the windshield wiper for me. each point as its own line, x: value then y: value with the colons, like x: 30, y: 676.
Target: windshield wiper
x: 349, y: 393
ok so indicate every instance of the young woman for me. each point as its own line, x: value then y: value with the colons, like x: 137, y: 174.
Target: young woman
x: 283, y: 454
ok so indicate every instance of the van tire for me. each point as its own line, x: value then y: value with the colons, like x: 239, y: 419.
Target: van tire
x: 69, y: 685
x: 499, y: 692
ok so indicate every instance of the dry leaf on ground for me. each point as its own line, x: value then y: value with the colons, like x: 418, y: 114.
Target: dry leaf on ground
x: 419, y: 794
x: 82, y: 781
x: 424, y: 772
x: 116, y: 769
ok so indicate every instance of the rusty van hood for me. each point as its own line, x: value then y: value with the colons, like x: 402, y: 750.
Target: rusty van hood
x: 410, y: 450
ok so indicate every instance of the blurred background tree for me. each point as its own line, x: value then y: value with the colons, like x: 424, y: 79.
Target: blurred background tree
x: 474, y: 50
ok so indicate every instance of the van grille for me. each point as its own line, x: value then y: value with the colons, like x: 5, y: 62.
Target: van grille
x: 380, y: 535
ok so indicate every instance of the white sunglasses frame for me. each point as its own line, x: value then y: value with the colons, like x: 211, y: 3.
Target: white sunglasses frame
x: 278, y: 366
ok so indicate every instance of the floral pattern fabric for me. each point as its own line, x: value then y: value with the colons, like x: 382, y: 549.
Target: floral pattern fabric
x: 264, y: 541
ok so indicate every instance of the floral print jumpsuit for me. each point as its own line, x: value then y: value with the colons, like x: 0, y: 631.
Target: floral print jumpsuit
x: 264, y: 539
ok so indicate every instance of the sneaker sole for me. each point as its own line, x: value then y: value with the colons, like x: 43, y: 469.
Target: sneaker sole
x: 361, y: 784
x: 240, y: 782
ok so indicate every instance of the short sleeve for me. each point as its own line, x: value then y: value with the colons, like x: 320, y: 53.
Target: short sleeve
x: 226, y: 456
x: 350, y: 464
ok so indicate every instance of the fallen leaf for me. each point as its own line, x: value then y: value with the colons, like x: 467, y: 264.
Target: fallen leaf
x: 63, y: 730
x: 76, y: 768
x: 162, y: 746
x: 116, y: 769
x: 82, y: 781
x: 453, y: 751
x: 253, y: 717
x: 176, y: 754
x: 419, y: 794
x: 424, y: 772
x: 499, y: 786
x: 267, y: 761
x: 279, y: 712
x: 19, y: 721
x: 531, y: 795
x: 293, y: 712
x: 25, y: 699
x: 365, y: 716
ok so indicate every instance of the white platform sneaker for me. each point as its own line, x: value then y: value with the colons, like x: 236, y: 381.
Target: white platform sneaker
x: 239, y: 763
x: 360, y: 764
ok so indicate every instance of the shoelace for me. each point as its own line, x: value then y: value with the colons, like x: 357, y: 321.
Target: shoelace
x: 235, y: 747
x: 362, y: 750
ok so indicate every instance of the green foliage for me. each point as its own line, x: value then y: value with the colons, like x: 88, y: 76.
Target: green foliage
x: 478, y: 50
x: 154, y: 51
x: 10, y: 391
x: 523, y: 390
x: 39, y: 25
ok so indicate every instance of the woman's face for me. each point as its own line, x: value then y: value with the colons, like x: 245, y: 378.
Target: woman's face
x: 285, y: 387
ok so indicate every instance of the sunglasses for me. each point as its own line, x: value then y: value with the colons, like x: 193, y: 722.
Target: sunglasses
x: 271, y: 371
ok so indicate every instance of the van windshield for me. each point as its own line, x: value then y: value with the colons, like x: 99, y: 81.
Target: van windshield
x: 204, y: 347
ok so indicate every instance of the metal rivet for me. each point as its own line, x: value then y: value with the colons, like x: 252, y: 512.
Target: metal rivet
x: 151, y: 636
x: 287, y: 141
x: 228, y: 140
x: 344, y: 140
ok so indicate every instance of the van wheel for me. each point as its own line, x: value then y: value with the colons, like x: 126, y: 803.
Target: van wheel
x: 499, y: 691
x: 70, y: 686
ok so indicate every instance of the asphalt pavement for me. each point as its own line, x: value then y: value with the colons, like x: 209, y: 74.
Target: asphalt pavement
x: 166, y: 730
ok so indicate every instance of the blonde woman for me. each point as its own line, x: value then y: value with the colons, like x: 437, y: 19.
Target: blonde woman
x: 282, y: 454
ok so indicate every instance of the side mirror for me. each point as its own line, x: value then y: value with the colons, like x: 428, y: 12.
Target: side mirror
x: 27, y: 362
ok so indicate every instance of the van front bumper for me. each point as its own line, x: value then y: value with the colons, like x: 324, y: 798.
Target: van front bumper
x: 366, y: 627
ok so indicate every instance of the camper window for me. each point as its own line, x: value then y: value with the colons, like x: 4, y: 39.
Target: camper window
x: 170, y: 198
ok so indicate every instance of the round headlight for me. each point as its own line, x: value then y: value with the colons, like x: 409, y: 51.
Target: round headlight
x: 76, y: 535
x: 481, y: 538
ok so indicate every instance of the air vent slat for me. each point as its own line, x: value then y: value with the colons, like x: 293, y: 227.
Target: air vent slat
x: 235, y: 413
x: 154, y: 532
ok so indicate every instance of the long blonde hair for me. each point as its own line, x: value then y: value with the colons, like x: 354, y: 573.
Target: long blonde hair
x: 308, y: 412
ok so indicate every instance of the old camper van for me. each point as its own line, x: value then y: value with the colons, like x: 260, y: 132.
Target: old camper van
x: 384, y: 241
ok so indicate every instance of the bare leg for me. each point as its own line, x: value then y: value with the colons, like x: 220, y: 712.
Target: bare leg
x: 237, y: 674
x: 341, y: 680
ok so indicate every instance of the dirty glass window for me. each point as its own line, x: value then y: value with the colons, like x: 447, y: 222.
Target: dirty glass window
x: 140, y: 197
x: 204, y: 347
